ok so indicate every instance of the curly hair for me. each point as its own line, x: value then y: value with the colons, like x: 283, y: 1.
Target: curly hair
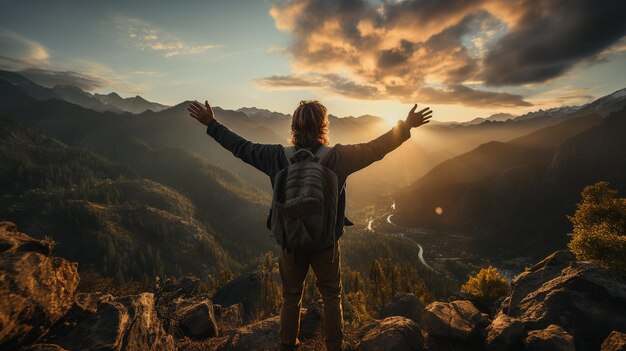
x: 309, y: 124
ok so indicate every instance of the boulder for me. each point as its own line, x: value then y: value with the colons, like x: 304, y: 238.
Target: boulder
x: 262, y: 335
x: 311, y: 321
x: 459, y: 320
x: 584, y: 299
x: 35, y: 289
x: 504, y: 333
x: 616, y: 341
x: 197, y: 320
x: 392, y: 333
x: 552, y: 338
x: 104, y: 322
x: 534, y: 277
x: 230, y: 317
x: 405, y: 305
x: 246, y: 290
x: 185, y: 310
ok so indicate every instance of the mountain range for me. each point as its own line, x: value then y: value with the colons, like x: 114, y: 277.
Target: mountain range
x: 98, y: 102
x: 509, y: 180
x: 142, y: 196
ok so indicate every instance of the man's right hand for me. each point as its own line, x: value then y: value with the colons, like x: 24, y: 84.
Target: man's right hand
x: 416, y: 119
x: 204, y: 114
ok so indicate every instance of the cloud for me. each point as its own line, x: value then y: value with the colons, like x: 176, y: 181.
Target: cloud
x: 567, y: 95
x: 330, y: 82
x: 472, y: 97
x: 551, y: 37
x: 445, y: 51
x: 31, y: 59
x: 50, y: 78
x: 146, y: 37
x: 18, y: 52
x: 285, y: 82
x: 333, y: 83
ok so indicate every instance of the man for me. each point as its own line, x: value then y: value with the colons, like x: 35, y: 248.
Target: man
x: 309, y: 129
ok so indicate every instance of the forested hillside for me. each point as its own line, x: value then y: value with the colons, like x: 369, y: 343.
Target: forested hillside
x: 224, y: 201
x: 516, y: 195
x: 101, y: 214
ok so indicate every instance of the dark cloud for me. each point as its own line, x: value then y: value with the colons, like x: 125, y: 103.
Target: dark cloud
x: 49, y: 78
x: 284, y: 82
x: 471, y: 97
x: 396, y: 56
x: 436, y: 48
x: 346, y: 87
x: 458, y: 93
x: 329, y: 82
x: 551, y: 37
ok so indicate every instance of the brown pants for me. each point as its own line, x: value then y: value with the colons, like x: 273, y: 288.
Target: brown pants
x: 293, y: 269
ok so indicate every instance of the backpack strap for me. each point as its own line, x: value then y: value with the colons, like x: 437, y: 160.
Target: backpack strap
x: 289, y: 151
x: 322, y: 153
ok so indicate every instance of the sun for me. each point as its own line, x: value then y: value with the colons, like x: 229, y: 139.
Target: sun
x: 390, y: 121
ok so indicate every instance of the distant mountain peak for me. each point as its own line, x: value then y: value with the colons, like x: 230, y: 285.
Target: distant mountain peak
x: 256, y: 112
x: 136, y: 104
x: 618, y: 93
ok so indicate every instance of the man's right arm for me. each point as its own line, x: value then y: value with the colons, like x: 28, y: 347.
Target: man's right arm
x: 261, y: 156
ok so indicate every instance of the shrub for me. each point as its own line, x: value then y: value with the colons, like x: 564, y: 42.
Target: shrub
x: 487, y: 286
x: 599, y: 228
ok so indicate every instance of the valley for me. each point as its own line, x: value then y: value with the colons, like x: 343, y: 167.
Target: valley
x: 476, y: 174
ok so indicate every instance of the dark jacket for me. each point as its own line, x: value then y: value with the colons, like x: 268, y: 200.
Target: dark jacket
x: 343, y: 159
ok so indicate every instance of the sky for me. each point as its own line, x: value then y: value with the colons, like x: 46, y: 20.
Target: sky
x: 463, y: 58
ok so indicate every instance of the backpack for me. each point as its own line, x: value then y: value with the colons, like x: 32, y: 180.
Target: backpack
x: 304, y: 202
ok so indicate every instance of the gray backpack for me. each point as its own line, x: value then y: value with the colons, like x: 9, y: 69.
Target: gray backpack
x: 304, y: 203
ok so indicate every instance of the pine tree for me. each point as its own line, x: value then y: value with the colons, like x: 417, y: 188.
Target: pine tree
x: 599, y: 228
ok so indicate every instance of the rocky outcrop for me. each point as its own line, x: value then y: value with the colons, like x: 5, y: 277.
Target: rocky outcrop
x: 459, y: 320
x: 35, y: 289
x: 551, y: 338
x: 558, y: 304
x: 616, y: 341
x: 504, y: 333
x: 39, y: 306
x: 392, y: 333
x: 587, y: 301
x: 104, y: 322
x: 246, y: 290
x: 405, y: 305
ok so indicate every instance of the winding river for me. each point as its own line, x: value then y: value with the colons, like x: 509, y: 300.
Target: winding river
x: 420, y: 253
